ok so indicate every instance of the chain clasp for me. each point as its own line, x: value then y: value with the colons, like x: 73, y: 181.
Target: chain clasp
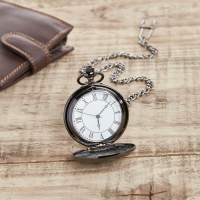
x: 143, y: 40
x: 90, y: 74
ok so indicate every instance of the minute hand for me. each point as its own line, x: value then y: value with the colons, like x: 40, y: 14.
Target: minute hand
x: 89, y: 114
x: 104, y: 108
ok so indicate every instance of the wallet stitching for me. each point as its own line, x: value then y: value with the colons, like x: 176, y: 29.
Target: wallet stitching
x: 18, y: 49
x: 14, y: 71
x: 56, y: 36
x: 48, y: 44
x: 32, y: 40
x: 39, y: 44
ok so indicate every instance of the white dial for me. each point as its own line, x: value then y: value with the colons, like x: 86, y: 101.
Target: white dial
x: 97, y: 115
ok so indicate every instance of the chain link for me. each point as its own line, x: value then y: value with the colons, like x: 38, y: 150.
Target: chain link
x: 121, y: 68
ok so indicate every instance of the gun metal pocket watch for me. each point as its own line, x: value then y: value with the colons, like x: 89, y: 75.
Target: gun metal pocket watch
x: 96, y: 115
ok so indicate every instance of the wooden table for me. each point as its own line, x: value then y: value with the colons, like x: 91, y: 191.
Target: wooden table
x: 35, y: 149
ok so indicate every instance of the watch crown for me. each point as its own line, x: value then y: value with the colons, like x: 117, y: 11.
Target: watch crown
x: 89, y: 70
x: 90, y: 73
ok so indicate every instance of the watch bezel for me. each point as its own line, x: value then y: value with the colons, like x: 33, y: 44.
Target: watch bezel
x: 74, y: 98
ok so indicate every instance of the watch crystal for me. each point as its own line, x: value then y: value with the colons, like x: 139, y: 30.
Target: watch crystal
x: 97, y: 115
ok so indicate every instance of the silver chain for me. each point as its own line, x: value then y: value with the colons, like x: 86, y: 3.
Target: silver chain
x: 121, y: 66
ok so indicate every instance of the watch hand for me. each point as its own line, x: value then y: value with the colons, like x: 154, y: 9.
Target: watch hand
x: 89, y: 114
x: 98, y: 123
x: 104, y: 108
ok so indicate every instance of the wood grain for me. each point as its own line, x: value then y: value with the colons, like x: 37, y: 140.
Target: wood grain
x: 35, y: 149
x: 175, y: 176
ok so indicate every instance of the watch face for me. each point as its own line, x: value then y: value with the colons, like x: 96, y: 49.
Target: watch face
x: 96, y: 115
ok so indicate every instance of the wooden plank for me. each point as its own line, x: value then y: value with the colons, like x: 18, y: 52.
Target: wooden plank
x: 24, y: 152
x: 176, y: 177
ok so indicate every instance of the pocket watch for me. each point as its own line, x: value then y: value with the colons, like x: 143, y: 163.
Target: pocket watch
x: 96, y: 115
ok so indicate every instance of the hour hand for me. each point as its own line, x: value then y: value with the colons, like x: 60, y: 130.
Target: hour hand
x: 98, y: 122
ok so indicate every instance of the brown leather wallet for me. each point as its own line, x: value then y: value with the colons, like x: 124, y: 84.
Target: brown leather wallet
x: 30, y: 40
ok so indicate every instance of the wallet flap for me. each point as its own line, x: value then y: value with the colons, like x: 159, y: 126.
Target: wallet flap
x: 32, y: 50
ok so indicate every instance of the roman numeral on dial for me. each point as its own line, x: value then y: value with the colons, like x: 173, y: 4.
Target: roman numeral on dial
x: 78, y: 119
x: 101, y: 137
x: 94, y: 96
x: 117, y: 112
x: 111, y: 131
x: 116, y: 122
x: 82, y: 129
x: 85, y: 101
x: 113, y: 102
x: 105, y: 96
x: 79, y: 110
x: 91, y: 135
